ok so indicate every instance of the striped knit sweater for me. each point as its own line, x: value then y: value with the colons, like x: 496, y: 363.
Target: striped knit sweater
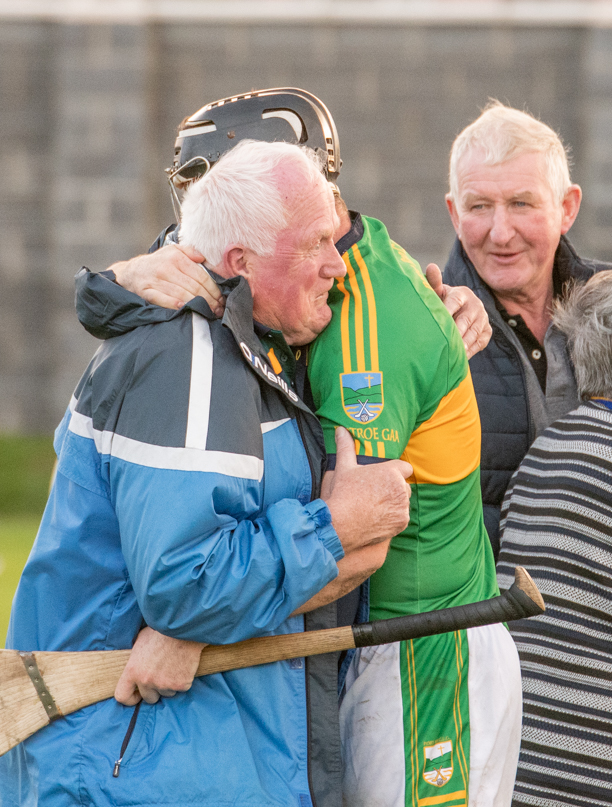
x: 557, y: 522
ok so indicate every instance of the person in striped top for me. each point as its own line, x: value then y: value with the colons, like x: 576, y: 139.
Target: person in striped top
x: 557, y: 522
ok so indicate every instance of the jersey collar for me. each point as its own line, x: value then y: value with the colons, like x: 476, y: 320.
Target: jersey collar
x: 354, y: 235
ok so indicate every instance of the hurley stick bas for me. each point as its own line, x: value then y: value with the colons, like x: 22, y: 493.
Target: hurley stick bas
x: 39, y: 687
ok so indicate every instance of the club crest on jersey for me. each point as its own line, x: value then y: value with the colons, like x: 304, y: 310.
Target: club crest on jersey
x: 362, y: 395
x: 438, y: 767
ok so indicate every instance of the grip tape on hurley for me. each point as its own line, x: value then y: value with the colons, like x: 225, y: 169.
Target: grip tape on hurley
x: 512, y: 604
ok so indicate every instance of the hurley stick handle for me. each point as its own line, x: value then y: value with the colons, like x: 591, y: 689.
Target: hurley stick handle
x: 520, y: 601
x: 32, y: 682
x: 251, y: 652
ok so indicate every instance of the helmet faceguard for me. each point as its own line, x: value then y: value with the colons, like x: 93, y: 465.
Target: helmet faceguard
x: 279, y: 114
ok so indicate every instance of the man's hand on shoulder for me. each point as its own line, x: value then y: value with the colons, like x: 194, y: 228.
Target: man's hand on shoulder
x: 170, y: 277
x: 159, y: 666
x: 465, y: 308
x: 368, y: 503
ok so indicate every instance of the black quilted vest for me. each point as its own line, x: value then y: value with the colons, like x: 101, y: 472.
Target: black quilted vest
x: 499, y: 380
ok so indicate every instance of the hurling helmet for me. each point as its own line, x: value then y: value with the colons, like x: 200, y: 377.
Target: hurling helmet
x: 285, y: 114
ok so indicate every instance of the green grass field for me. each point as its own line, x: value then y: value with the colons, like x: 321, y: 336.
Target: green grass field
x: 17, y: 534
x: 26, y: 463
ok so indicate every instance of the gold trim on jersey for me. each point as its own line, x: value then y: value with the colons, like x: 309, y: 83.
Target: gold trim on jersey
x: 359, y: 310
x: 276, y: 365
x: 458, y: 796
x: 360, y: 346
x: 463, y: 766
x: 372, y: 318
x: 414, y: 722
x: 344, y: 324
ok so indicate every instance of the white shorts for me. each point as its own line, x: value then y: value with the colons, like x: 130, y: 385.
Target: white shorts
x: 433, y: 722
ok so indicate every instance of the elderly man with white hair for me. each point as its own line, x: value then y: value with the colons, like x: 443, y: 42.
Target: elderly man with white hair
x: 188, y: 498
x: 512, y: 202
x: 557, y: 522
x: 436, y: 718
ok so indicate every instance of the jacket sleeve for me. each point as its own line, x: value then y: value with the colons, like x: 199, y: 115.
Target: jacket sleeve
x: 202, y: 567
x: 106, y: 309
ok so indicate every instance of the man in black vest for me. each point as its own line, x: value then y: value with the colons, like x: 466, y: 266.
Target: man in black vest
x: 511, y: 202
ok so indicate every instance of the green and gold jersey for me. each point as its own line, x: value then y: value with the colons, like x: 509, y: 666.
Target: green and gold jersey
x: 392, y: 369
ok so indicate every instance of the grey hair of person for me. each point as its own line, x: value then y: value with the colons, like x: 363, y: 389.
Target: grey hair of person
x: 502, y: 133
x: 239, y: 201
x: 585, y: 317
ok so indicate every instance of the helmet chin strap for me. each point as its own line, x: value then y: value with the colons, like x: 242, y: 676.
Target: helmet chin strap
x: 176, y: 202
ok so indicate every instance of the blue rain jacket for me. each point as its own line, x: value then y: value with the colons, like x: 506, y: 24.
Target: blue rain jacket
x: 185, y: 498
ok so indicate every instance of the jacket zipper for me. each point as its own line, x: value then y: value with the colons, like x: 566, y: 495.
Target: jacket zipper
x: 530, y: 424
x: 308, y: 457
x: 308, y: 733
x: 126, y: 739
x: 314, y: 489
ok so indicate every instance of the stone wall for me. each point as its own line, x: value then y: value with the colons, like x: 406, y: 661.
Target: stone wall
x: 89, y: 114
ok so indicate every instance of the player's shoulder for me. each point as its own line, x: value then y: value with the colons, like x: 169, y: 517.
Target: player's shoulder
x: 399, y: 284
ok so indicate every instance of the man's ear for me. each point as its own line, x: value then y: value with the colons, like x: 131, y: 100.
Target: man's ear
x: 450, y: 204
x: 571, y: 206
x: 236, y: 261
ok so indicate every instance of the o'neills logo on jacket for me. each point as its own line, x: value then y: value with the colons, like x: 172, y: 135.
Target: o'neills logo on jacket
x: 267, y: 371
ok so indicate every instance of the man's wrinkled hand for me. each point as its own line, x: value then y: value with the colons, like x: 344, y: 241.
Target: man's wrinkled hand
x: 159, y: 666
x: 170, y: 277
x: 465, y: 308
x: 368, y: 503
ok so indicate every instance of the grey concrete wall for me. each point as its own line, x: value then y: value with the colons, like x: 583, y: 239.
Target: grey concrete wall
x: 89, y: 114
x: 73, y: 109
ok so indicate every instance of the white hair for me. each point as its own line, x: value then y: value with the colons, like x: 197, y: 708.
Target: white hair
x: 238, y: 201
x: 585, y: 317
x: 503, y: 133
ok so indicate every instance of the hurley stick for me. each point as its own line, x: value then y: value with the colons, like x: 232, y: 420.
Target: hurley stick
x: 37, y: 688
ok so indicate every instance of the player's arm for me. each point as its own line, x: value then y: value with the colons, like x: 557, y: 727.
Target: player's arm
x: 160, y: 666
x: 353, y: 570
x: 219, y: 579
x: 169, y: 277
x: 173, y: 275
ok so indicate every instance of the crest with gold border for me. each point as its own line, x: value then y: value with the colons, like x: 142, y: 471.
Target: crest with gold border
x: 438, y: 767
x: 362, y: 395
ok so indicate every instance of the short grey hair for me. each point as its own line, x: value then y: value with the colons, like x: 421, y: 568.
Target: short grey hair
x: 239, y: 202
x: 503, y: 133
x: 585, y: 317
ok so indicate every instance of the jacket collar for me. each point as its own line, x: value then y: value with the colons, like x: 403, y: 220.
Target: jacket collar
x: 238, y: 319
x: 354, y: 235
x: 569, y: 265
